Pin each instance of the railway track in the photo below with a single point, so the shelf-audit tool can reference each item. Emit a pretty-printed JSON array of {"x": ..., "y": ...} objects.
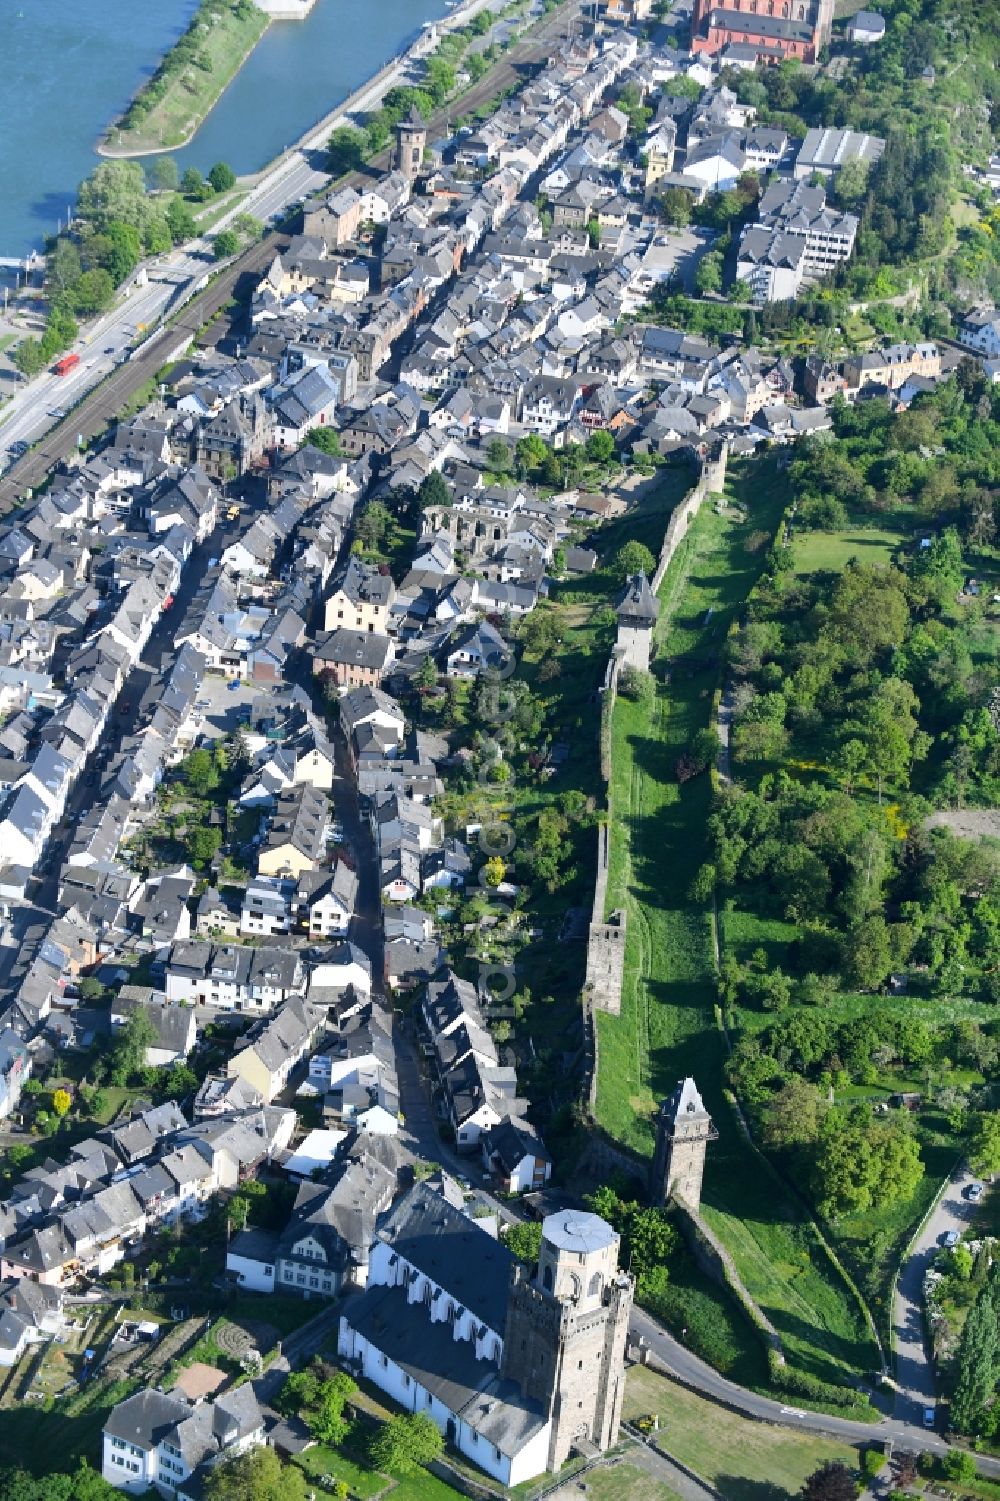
[{"x": 93, "y": 413}]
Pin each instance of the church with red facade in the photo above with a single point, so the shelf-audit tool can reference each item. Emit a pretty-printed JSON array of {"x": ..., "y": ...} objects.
[{"x": 773, "y": 29}]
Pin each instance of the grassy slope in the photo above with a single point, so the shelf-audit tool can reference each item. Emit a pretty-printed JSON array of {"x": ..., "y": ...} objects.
[
  {"x": 192, "y": 93},
  {"x": 667, "y": 1028},
  {"x": 746, "y": 1461}
]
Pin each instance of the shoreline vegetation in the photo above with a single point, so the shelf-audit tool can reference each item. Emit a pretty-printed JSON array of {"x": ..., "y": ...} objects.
[{"x": 168, "y": 111}]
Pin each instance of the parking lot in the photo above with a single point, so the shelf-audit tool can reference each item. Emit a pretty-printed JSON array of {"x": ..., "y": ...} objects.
[{"x": 222, "y": 708}]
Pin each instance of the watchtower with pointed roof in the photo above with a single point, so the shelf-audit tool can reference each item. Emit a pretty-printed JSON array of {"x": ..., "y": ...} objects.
[
  {"x": 637, "y": 610},
  {"x": 684, "y": 1129},
  {"x": 411, "y": 138}
]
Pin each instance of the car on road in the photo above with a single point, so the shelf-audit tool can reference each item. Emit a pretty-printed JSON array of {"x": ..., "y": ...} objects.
[
  {"x": 950, "y": 1238},
  {"x": 234, "y": 685},
  {"x": 109, "y": 349},
  {"x": 928, "y": 1417},
  {"x": 19, "y": 448},
  {"x": 56, "y": 412},
  {"x": 974, "y": 1192}
]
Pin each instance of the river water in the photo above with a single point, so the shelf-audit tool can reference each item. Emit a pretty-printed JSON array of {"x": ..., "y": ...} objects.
[{"x": 69, "y": 66}]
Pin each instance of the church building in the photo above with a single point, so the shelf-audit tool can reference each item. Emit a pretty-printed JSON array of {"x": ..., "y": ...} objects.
[
  {"x": 774, "y": 29},
  {"x": 517, "y": 1367}
]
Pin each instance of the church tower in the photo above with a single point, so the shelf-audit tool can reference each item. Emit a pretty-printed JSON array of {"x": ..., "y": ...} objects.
[
  {"x": 567, "y": 1322},
  {"x": 683, "y": 1131},
  {"x": 411, "y": 138}
]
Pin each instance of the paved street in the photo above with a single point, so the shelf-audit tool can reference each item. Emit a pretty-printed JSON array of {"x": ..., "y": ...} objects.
[
  {"x": 680, "y": 1362},
  {"x": 914, "y": 1371}
]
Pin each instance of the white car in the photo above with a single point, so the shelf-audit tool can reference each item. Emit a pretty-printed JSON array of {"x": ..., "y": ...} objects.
[{"x": 974, "y": 1192}]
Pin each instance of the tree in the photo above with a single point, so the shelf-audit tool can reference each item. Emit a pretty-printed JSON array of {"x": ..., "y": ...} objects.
[
  {"x": 633, "y": 557},
  {"x": 433, "y": 491},
  {"x": 499, "y": 457},
  {"x": 202, "y": 845},
  {"x": 257, "y": 1475},
  {"x": 792, "y": 1117},
  {"x": 225, "y": 244},
  {"x": 94, "y": 292},
  {"x": 372, "y": 525},
  {"x": 701, "y": 752},
  {"x": 162, "y": 174},
  {"x": 833, "y": 1481},
  {"x": 708, "y": 277},
  {"x": 115, "y": 190},
  {"x": 600, "y": 447},
  {"x": 326, "y": 1421},
  {"x": 531, "y": 451},
  {"x": 494, "y": 871},
  {"x": 64, "y": 266},
  {"x": 201, "y": 773},
  {"x": 402, "y": 1444},
  {"x": 346, "y": 150},
  {"x": 984, "y": 1148},
  {"x": 222, "y": 177},
  {"x": 649, "y": 1240},
  {"x": 326, "y": 439},
  {"x": 61, "y": 1101},
  {"x": 861, "y": 1161},
  {"x": 852, "y": 182},
  {"x": 125, "y": 250},
  {"x": 978, "y": 1361},
  {"x": 675, "y": 207},
  {"x": 29, "y": 357},
  {"x": 192, "y": 183},
  {"x": 129, "y": 1052},
  {"x": 180, "y": 221},
  {"x": 868, "y": 953},
  {"x": 959, "y": 1466},
  {"x": 524, "y": 1240}
]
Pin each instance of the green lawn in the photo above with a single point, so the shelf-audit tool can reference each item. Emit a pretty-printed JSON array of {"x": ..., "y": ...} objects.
[
  {"x": 622, "y": 1481},
  {"x": 365, "y": 1483},
  {"x": 667, "y": 1025},
  {"x": 746, "y": 1461},
  {"x": 815, "y": 552}
]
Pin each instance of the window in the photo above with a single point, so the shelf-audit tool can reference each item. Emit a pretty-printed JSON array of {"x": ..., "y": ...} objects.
[{"x": 383, "y": 1361}]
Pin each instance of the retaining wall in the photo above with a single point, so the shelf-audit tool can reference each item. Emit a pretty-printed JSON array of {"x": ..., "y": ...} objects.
[{"x": 713, "y": 1259}]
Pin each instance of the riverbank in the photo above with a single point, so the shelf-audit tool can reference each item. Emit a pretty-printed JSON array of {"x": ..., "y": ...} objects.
[{"x": 169, "y": 110}]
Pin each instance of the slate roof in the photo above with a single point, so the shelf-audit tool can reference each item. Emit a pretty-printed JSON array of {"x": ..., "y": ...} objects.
[{"x": 453, "y": 1252}]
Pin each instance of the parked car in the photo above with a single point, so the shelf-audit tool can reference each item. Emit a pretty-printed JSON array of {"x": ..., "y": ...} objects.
[
  {"x": 950, "y": 1238},
  {"x": 974, "y": 1192},
  {"x": 928, "y": 1417}
]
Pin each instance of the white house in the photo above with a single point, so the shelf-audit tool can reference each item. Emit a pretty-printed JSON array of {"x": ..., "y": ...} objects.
[
  {"x": 981, "y": 331},
  {"x": 156, "y": 1439}
]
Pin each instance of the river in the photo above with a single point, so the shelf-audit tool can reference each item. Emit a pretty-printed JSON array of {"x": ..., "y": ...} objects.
[{"x": 69, "y": 66}]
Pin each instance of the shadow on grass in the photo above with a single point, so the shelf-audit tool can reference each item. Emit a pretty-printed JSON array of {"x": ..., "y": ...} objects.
[{"x": 739, "y": 1488}]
